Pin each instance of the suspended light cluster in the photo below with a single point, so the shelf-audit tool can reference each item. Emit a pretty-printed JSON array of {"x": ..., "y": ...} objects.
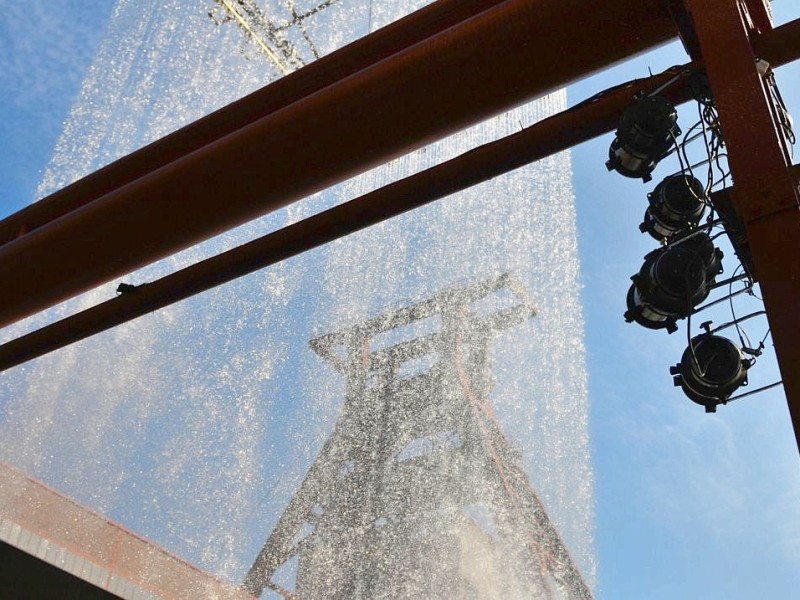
[{"x": 676, "y": 278}]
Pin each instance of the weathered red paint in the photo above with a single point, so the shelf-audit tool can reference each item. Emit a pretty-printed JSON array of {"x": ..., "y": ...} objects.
[
  {"x": 781, "y": 45},
  {"x": 545, "y": 138},
  {"x": 430, "y": 20},
  {"x": 508, "y": 54},
  {"x": 766, "y": 191}
]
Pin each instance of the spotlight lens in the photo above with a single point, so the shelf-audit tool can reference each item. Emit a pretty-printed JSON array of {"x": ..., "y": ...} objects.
[
  {"x": 683, "y": 195},
  {"x": 680, "y": 272},
  {"x": 672, "y": 281}
]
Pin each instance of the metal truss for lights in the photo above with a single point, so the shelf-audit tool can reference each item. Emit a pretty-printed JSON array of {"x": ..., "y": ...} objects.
[{"x": 405, "y": 85}]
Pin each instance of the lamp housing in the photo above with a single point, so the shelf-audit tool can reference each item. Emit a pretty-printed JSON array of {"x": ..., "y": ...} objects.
[
  {"x": 677, "y": 205},
  {"x": 711, "y": 369},
  {"x": 672, "y": 281},
  {"x": 647, "y": 130}
]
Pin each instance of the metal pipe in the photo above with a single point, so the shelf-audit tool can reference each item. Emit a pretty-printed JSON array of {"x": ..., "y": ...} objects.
[
  {"x": 778, "y": 46},
  {"x": 547, "y": 137},
  {"x": 763, "y": 388},
  {"x": 509, "y": 54},
  {"x": 403, "y": 33}
]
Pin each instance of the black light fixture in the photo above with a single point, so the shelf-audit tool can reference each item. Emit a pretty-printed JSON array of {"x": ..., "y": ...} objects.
[
  {"x": 647, "y": 130},
  {"x": 676, "y": 206},
  {"x": 672, "y": 281},
  {"x": 711, "y": 369}
]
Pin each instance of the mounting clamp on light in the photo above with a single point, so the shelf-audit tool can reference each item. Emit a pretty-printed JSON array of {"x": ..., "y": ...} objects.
[
  {"x": 676, "y": 206},
  {"x": 711, "y": 369},
  {"x": 647, "y": 130},
  {"x": 672, "y": 281}
]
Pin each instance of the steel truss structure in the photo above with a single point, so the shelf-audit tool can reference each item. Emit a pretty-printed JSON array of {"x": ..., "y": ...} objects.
[
  {"x": 419, "y": 59},
  {"x": 390, "y": 94},
  {"x": 388, "y": 507},
  {"x": 766, "y": 197},
  {"x": 268, "y": 36}
]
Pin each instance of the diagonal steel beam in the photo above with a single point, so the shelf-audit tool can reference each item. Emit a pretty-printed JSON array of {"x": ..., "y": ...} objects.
[
  {"x": 549, "y": 136},
  {"x": 420, "y": 25},
  {"x": 511, "y": 53}
]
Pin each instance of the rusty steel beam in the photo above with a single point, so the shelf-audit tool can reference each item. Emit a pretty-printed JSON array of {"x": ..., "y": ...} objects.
[
  {"x": 758, "y": 14},
  {"x": 766, "y": 191},
  {"x": 509, "y": 54},
  {"x": 554, "y": 134},
  {"x": 403, "y": 33},
  {"x": 781, "y": 45}
]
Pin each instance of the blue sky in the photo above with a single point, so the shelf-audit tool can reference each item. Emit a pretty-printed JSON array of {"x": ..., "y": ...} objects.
[{"x": 689, "y": 505}]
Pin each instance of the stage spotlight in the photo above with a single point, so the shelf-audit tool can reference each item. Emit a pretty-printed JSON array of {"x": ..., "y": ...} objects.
[
  {"x": 672, "y": 281},
  {"x": 646, "y": 132},
  {"x": 676, "y": 205},
  {"x": 711, "y": 369}
]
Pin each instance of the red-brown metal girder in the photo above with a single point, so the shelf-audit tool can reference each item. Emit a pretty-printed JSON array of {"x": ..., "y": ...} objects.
[
  {"x": 554, "y": 134},
  {"x": 766, "y": 191},
  {"x": 506, "y": 55},
  {"x": 781, "y": 45},
  {"x": 758, "y": 14},
  {"x": 413, "y": 28}
]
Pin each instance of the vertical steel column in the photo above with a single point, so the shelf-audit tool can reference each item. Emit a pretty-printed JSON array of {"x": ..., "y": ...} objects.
[{"x": 766, "y": 192}]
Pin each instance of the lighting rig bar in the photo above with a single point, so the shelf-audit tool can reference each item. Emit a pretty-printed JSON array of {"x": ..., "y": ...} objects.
[
  {"x": 390, "y": 107},
  {"x": 280, "y": 94}
]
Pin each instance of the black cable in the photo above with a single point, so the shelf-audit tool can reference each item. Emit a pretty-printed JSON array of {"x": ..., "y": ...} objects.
[
  {"x": 677, "y": 69},
  {"x": 733, "y": 311}
]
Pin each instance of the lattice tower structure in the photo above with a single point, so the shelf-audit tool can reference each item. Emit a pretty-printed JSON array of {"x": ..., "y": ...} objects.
[
  {"x": 284, "y": 40},
  {"x": 417, "y": 492}
]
